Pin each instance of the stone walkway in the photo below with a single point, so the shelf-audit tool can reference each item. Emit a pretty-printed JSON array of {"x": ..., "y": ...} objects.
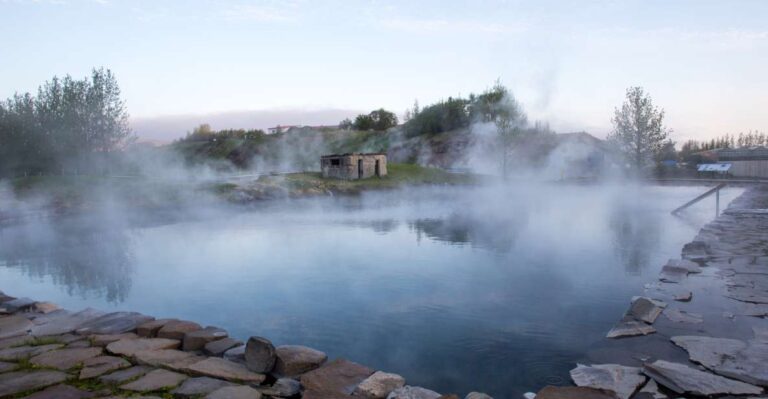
[
  {"x": 52, "y": 353},
  {"x": 701, "y": 329}
]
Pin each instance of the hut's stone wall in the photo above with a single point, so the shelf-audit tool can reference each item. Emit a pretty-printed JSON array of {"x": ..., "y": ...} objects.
[{"x": 353, "y": 166}]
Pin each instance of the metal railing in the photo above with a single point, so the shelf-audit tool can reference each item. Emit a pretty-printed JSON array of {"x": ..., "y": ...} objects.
[{"x": 715, "y": 190}]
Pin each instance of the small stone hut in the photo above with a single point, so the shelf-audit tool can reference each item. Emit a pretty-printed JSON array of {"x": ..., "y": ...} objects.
[{"x": 353, "y": 166}]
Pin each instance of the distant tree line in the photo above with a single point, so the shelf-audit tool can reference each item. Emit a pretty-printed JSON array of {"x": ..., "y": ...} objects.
[
  {"x": 69, "y": 127},
  {"x": 742, "y": 140},
  {"x": 204, "y": 132}
]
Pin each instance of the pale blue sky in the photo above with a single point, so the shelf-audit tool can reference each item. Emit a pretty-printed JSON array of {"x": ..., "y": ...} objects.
[{"x": 568, "y": 62}]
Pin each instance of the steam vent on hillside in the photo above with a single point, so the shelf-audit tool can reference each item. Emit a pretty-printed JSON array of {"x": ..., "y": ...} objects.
[{"x": 353, "y": 166}]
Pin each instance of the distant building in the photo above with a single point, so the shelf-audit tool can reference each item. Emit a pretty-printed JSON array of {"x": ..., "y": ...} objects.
[
  {"x": 745, "y": 162},
  {"x": 281, "y": 129},
  {"x": 353, "y": 166},
  {"x": 284, "y": 129}
]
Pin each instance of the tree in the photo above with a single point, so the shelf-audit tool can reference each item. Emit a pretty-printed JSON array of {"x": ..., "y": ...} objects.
[
  {"x": 71, "y": 123},
  {"x": 379, "y": 120},
  {"x": 346, "y": 124},
  {"x": 383, "y": 119},
  {"x": 363, "y": 122},
  {"x": 499, "y": 106},
  {"x": 638, "y": 128}
]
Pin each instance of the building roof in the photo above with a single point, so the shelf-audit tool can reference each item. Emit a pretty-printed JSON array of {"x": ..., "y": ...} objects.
[
  {"x": 742, "y": 154},
  {"x": 352, "y": 153}
]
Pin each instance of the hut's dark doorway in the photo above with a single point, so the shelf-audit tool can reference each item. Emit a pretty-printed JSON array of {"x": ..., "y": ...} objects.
[
  {"x": 359, "y": 168},
  {"x": 378, "y": 171}
]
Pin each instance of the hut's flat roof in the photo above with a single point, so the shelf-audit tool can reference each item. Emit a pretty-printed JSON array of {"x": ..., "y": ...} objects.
[{"x": 352, "y": 153}]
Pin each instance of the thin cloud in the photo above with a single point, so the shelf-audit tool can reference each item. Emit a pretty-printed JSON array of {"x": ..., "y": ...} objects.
[
  {"x": 279, "y": 12},
  {"x": 432, "y": 26}
]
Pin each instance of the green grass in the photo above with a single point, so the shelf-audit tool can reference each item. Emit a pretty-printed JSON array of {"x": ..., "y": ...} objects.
[{"x": 398, "y": 175}]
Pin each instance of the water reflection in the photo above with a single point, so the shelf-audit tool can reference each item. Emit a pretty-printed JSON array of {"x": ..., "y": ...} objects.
[
  {"x": 634, "y": 233},
  {"x": 497, "y": 234},
  {"x": 84, "y": 259}
]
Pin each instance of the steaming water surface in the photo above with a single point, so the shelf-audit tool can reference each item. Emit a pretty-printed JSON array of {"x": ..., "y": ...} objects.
[{"x": 493, "y": 290}]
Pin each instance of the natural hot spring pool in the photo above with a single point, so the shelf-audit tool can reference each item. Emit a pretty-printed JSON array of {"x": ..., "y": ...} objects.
[{"x": 498, "y": 290}]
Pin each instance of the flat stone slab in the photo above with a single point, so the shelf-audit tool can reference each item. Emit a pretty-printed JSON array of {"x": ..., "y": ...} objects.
[
  {"x": 155, "y": 380},
  {"x": 552, "y": 392},
  {"x": 18, "y": 304},
  {"x": 196, "y": 340},
  {"x": 293, "y": 360},
  {"x": 218, "y": 347},
  {"x": 65, "y": 359},
  {"x": 747, "y": 294},
  {"x": 79, "y": 344},
  {"x": 224, "y": 369},
  {"x": 194, "y": 387},
  {"x": 672, "y": 274},
  {"x": 683, "y": 379},
  {"x": 118, "y": 377},
  {"x": 622, "y": 380},
  {"x": 236, "y": 354},
  {"x": 645, "y": 309},
  {"x": 379, "y": 385},
  {"x": 681, "y": 316},
  {"x": 709, "y": 351},
  {"x": 44, "y": 307},
  {"x": 628, "y": 327},
  {"x": 62, "y": 321},
  {"x": 22, "y": 381},
  {"x": 282, "y": 388},
  {"x": 169, "y": 358},
  {"x": 15, "y": 341},
  {"x": 106, "y": 339},
  {"x": 411, "y": 392},
  {"x": 729, "y": 357},
  {"x": 150, "y": 328},
  {"x": 24, "y": 352},
  {"x": 685, "y": 264},
  {"x": 11, "y": 326},
  {"x": 61, "y": 392},
  {"x": 129, "y": 347},
  {"x": 176, "y": 329},
  {"x": 756, "y": 310},
  {"x": 113, "y": 323},
  {"x": 99, "y": 365},
  {"x": 684, "y": 296},
  {"x": 234, "y": 392},
  {"x": 5, "y": 367},
  {"x": 339, "y": 377}
]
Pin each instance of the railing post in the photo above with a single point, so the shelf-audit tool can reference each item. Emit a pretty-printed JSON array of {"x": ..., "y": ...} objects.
[{"x": 717, "y": 203}]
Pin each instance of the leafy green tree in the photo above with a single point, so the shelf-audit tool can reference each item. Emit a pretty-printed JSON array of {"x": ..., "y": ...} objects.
[
  {"x": 383, "y": 119},
  {"x": 71, "y": 123},
  {"x": 638, "y": 129},
  {"x": 363, "y": 122},
  {"x": 378, "y": 120}
]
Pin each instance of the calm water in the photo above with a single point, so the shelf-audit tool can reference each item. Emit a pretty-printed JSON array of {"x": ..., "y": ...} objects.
[{"x": 494, "y": 290}]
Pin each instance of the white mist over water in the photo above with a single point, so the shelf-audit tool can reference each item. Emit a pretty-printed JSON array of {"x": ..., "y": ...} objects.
[{"x": 490, "y": 288}]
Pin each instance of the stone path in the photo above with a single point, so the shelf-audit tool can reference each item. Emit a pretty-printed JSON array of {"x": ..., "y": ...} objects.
[
  {"x": 52, "y": 353},
  {"x": 713, "y": 338}
]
